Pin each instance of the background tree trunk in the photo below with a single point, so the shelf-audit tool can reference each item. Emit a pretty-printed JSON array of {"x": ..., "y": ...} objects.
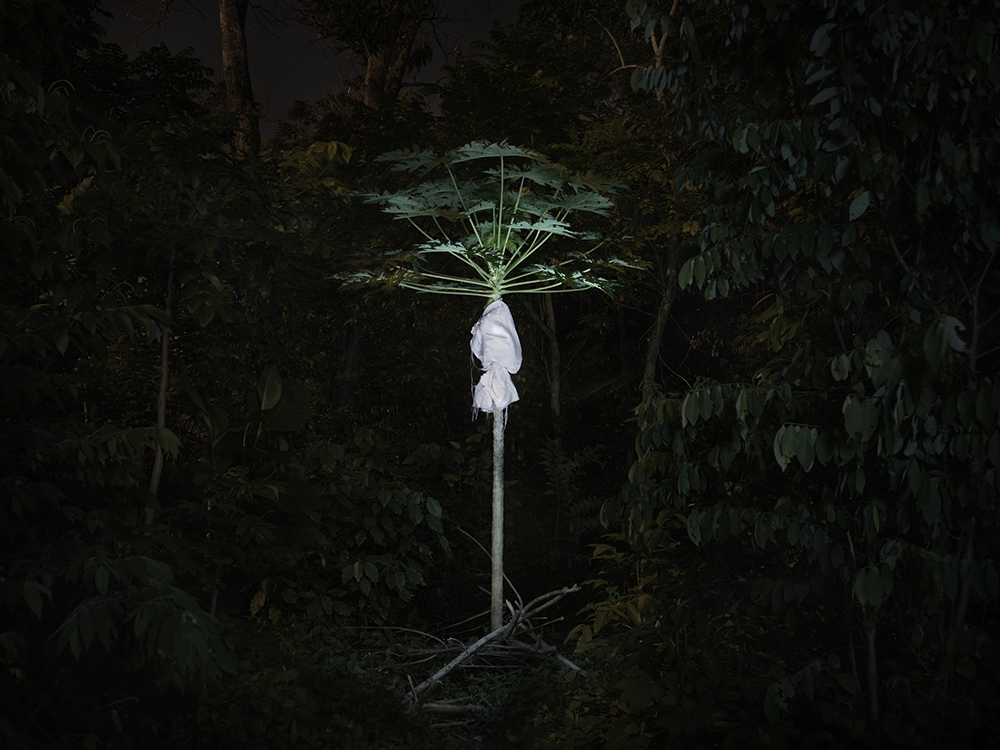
[
  {"x": 236, "y": 73},
  {"x": 871, "y": 625},
  {"x": 555, "y": 391},
  {"x": 380, "y": 34},
  {"x": 386, "y": 66},
  {"x": 161, "y": 398},
  {"x": 669, "y": 280}
]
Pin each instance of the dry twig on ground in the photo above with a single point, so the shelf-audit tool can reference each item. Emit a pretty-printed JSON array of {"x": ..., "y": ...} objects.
[{"x": 417, "y": 699}]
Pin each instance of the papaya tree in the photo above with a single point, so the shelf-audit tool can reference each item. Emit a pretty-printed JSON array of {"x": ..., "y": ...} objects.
[{"x": 492, "y": 217}]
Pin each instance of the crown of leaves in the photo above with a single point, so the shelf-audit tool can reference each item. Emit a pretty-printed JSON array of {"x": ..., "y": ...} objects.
[{"x": 491, "y": 208}]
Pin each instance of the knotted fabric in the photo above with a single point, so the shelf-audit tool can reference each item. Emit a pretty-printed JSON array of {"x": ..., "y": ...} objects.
[{"x": 496, "y": 345}]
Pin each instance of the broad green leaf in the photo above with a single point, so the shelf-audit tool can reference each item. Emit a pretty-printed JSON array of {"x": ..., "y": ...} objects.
[
  {"x": 292, "y": 410},
  {"x": 806, "y": 447},
  {"x": 700, "y": 270},
  {"x": 825, "y": 447},
  {"x": 862, "y": 590},
  {"x": 690, "y": 409},
  {"x": 858, "y": 206},
  {"x": 848, "y": 682},
  {"x": 706, "y": 406},
  {"x": 951, "y": 327},
  {"x": 771, "y": 710},
  {"x": 789, "y": 441},
  {"x": 694, "y": 526},
  {"x": 269, "y": 387},
  {"x": 739, "y": 141},
  {"x": 686, "y": 272},
  {"x": 433, "y": 507},
  {"x": 779, "y": 454},
  {"x": 741, "y": 405},
  {"x": 62, "y": 341},
  {"x": 840, "y": 367},
  {"x": 819, "y": 75},
  {"x": 820, "y": 42},
  {"x": 854, "y": 415},
  {"x": 825, "y": 95},
  {"x": 760, "y": 533}
]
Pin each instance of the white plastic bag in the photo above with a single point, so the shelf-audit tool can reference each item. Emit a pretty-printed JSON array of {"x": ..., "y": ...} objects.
[{"x": 496, "y": 345}]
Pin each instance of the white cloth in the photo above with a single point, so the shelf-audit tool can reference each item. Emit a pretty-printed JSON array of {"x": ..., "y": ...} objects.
[{"x": 495, "y": 343}]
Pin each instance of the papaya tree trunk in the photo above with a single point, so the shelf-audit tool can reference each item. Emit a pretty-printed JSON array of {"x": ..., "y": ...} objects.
[{"x": 496, "y": 572}]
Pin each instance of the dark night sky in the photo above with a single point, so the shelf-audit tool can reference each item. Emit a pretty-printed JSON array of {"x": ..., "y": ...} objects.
[{"x": 287, "y": 62}]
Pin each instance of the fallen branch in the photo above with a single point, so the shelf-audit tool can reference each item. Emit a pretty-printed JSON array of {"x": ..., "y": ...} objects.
[
  {"x": 452, "y": 724},
  {"x": 416, "y": 694},
  {"x": 450, "y": 707},
  {"x": 419, "y": 694},
  {"x": 542, "y": 647}
]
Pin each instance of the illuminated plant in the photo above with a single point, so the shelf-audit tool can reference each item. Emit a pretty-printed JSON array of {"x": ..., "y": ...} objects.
[{"x": 487, "y": 213}]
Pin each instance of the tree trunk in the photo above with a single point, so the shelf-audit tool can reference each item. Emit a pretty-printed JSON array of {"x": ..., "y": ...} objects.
[
  {"x": 236, "y": 73},
  {"x": 161, "y": 399},
  {"x": 555, "y": 365},
  {"x": 871, "y": 625},
  {"x": 624, "y": 345},
  {"x": 386, "y": 66},
  {"x": 659, "y": 326},
  {"x": 548, "y": 326},
  {"x": 496, "y": 572},
  {"x": 344, "y": 381}
]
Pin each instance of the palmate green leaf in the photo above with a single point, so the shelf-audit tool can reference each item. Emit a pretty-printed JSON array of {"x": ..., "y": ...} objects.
[
  {"x": 493, "y": 221},
  {"x": 547, "y": 225},
  {"x": 481, "y": 206},
  {"x": 409, "y": 161},
  {"x": 584, "y": 201},
  {"x": 479, "y": 150},
  {"x": 570, "y": 280}
]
